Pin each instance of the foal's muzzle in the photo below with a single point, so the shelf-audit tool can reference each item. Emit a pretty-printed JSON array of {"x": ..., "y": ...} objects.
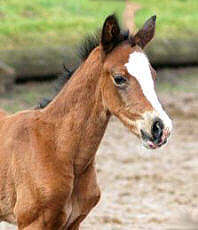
[
  {"x": 158, "y": 136},
  {"x": 157, "y": 131}
]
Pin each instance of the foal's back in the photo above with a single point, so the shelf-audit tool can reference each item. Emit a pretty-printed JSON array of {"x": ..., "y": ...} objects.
[{"x": 2, "y": 114}]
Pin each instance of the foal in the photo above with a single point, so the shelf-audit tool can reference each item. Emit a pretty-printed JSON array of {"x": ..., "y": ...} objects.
[{"x": 47, "y": 171}]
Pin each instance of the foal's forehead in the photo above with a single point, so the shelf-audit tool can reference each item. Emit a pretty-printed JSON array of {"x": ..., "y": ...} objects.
[
  {"x": 138, "y": 64},
  {"x": 121, "y": 55}
]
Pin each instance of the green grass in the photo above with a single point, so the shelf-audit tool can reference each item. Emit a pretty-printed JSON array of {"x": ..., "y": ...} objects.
[
  {"x": 177, "y": 18},
  {"x": 58, "y": 22}
]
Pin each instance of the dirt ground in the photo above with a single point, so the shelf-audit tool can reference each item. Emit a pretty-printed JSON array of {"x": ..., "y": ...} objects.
[{"x": 144, "y": 189}]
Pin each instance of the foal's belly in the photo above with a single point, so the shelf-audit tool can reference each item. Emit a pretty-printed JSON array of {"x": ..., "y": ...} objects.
[
  {"x": 6, "y": 211},
  {"x": 7, "y": 202},
  {"x": 7, "y": 215}
]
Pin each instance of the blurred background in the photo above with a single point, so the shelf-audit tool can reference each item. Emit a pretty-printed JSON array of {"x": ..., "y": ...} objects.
[{"x": 142, "y": 189}]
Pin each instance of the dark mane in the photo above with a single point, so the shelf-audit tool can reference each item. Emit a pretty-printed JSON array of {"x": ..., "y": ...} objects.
[
  {"x": 62, "y": 80},
  {"x": 88, "y": 44}
]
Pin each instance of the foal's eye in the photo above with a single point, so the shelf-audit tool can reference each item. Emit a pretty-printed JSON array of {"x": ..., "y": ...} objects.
[{"x": 119, "y": 80}]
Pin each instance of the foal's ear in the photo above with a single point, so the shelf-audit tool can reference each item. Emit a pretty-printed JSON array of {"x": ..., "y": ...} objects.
[
  {"x": 110, "y": 33},
  {"x": 144, "y": 35}
]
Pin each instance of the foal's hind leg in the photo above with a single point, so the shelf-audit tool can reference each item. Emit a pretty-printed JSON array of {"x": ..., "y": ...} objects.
[{"x": 2, "y": 113}]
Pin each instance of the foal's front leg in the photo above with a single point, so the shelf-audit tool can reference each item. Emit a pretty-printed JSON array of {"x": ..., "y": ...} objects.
[
  {"x": 85, "y": 196},
  {"x": 48, "y": 220}
]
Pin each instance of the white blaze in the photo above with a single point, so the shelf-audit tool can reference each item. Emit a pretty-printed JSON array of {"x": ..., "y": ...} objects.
[{"x": 138, "y": 66}]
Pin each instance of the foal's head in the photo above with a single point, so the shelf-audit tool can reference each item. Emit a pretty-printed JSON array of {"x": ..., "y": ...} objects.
[{"x": 128, "y": 78}]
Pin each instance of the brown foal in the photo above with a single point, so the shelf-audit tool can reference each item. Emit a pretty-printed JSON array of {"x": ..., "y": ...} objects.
[{"x": 47, "y": 171}]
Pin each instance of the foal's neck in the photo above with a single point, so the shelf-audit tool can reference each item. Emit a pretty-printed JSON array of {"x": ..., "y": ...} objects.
[{"x": 79, "y": 113}]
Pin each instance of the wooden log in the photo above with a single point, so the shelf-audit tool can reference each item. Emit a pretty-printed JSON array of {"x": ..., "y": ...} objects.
[
  {"x": 37, "y": 62},
  {"x": 7, "y": 76},
  {"x": 173, "y": 52}
]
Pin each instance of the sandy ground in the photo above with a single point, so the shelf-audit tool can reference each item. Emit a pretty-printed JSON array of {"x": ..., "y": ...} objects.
[{"x": 144, "y": 189}]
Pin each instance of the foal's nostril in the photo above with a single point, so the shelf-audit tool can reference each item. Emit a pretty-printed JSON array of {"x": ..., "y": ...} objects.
[{"x": 157, "y": 130}]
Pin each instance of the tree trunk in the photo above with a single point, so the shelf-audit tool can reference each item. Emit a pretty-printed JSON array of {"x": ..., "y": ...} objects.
[{"x": 7, "y": 75}]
